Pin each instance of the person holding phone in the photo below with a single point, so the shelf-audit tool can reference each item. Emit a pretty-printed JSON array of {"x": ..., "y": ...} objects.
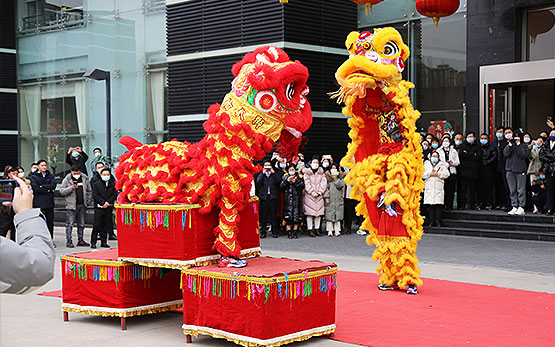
[
  {"x": 29, "y": 262},
  {"x": 6, "y": 212},
  {"x": 43, "y": 184},
  {"x": 292, "y": 185},
  {"x": 77, "y": 191},
  {"x": 516, "y": 152},
  {"x": 76, "y": 156}
]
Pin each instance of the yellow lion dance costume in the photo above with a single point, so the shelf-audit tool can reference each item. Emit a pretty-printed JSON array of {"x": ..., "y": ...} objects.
[{"x": 385, "y": 156}]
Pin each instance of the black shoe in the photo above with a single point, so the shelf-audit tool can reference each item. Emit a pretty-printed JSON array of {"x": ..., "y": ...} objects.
[
  {"x": 478, "y": 208},
  {"x": 113, "y": 238},
  {"x": 275, "y": 236},
  {"x": 550, "y": 212},
  {"x": 93, "y": 245},
  {"x": 436, "y": 224},
  {"x": 311, "y": 233},
  {"x": 69, "y": 244},
  {"x": 263, "y": 236},
  {"x": 348, "y": 232},
  {"x": 295, "y": 235},
  {"x": 82, "y": 243},
  {"x": 104, "y": 245}
]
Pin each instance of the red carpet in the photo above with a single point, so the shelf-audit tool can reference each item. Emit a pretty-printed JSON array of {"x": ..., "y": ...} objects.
[
  {"x": 444, "y": 313},
  {"x": 54, "y": 294}
]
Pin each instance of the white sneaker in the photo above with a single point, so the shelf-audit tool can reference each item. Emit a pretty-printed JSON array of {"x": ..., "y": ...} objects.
[
  {"x": 535, "y": 210},
  {"x": 513, "y": 211},
  {"x": 337, "y": 233},
  {"x": 330, "y": 233},
  {"x": 361, "y": 232},
  {"x": 519, "y": 212}
]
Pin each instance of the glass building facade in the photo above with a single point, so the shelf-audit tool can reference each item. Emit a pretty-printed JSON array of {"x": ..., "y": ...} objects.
[
  {"x": 437, "y": 64},
  {"x": 57, "y": 42}
]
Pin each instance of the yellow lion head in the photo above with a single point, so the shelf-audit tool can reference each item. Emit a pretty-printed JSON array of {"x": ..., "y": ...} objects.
[{"x": 373, "y": 58}]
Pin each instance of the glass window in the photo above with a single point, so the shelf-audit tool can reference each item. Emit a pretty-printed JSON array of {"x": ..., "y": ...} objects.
[{"x": 540, "y": 34}]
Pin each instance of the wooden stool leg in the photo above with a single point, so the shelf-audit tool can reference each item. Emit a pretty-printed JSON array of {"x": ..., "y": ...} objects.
[
  {"x": 189, "y": 339},
  {"x": 66, "y": 316},
  {"x": 123, "y": 326}
]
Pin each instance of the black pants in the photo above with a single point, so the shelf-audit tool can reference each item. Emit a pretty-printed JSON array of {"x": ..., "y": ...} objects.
[
  {"x": 486, "y": 187},
  {"x": 550, "y": 191},
  {"x": 349, "y": 213},
  {"x": 6, "y": 223},
  {"x": 449, "y": 191},
  {"x": 467, "y": 192},
  {"x": 49, "y": 215},
  {"x": 501, "y": 189},
  {"x": 102, "y": 224},
  {"x": 434, "y": 212},
  {"x": 268, "y": 215}
]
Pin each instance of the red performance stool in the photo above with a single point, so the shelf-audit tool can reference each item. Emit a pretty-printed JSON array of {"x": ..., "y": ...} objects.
[
  {"x": 96, "y": 283},
  {"x": 270, "y": 302},
  {"x": 178, "y": 235}
]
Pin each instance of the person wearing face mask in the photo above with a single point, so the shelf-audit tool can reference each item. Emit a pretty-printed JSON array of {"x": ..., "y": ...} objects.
[
  {"x": 292, "y": 186},
  {"x": 435, "y": 173},
  {"x": 333, "y": 200},
  {"x": 104, "y": 195},
  {"x": 539, "y": 193},
  {"x": 434, "y": 144},
  {"x": 547, "y": 157},
  {"x": 544, "y": 135},
  {"x": 426, "y": 150},
  {"x": 515, "y": 154},
  {"x": 313, "y": 196},
  {"x": 97, "y": 170},
  {"x": 267, "y": 186},
  {"x": 535, "y": 165},
  {"x": 450, "y": 157},
  {"x": 326, "y": 162},
  {"x": 487, "y": 171},
  {"x": 43, "y": 184},
  {"x": 98, "y": 158},
  {"x": 34, "y": 168},
  {"x": 7, "y": 213},
  {"x": 76, "y": 156},
  {"x": 77, "y": 191},
  {"x": 470, "y": 157}
]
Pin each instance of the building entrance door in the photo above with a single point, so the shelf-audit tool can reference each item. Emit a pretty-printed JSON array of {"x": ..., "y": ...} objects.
[{"x": 500, "y": 108}]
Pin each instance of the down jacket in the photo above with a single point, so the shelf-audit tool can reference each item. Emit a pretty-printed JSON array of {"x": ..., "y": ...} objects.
[
  {"x": 547, "y": 157},
  {"x": 70, "y": 194},
  {"x": 292, "y": 193},
  {"x": 314, "y": 182},
  {"x": 433, "y": 189},
  {"x": 335, "y": 193}
]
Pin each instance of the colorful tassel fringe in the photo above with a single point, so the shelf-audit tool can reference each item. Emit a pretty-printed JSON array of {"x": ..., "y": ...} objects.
[{"x": 125, "y": 273}]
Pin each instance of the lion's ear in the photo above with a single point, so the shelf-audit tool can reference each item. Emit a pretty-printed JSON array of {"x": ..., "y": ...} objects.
[{"x": 351, "y": 38}]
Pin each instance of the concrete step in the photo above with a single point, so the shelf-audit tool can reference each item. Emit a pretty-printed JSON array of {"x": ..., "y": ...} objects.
[{"x": 491, "y": 233}]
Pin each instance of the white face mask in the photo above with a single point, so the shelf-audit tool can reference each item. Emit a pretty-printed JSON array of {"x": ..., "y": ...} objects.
[
  {"x": 314, "y": 166},
  {"x": 291, "y": 173},
  {"x": 446, "y": 144},
  {"x": 21, "y": 174},
  {"x": 325, "y": 164},
  {"x": 508, "y": 136},
  {"x": 526, "y": 140},
  {"x": 105, "y": 178},
  {"x": 76, "y": 176},
  {"x": 334, "y": 172}
]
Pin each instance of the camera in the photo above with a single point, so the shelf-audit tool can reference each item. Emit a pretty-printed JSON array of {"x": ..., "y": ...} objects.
[{"x": 7, "y": 189}]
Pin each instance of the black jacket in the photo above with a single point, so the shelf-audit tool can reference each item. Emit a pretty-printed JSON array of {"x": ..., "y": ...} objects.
[
  {"x": 515, "y": 157},
  {"x": 547, "y": 157},
  {"x": 500, "y": 157},
  {"x": 265, "y": 183},
  {"x": 489, "y": 156},
  {"x": 43, "y": 189},
  {"x": 80, "y": 161},
  {"x": 291, "y": 202},
  {"x": 95, "y": 177},
  {"x": 103, "y": 192},
  {"x": 470, "y": 156}
]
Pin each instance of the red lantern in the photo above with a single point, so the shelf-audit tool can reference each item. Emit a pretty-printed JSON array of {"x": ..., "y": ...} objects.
[
  {"x": 368, "y": 3},
  {"x": 437, "y": 8}
]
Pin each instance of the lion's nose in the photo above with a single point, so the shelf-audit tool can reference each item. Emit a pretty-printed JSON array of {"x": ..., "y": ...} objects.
[{"x": 373, "y": 56}]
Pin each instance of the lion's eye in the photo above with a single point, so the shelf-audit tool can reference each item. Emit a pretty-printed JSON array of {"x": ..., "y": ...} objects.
[
  {"x": 390, "y": 48},
  {"x": 290, "y": 90}
]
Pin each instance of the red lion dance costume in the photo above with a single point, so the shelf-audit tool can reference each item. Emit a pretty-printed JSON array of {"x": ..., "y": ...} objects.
[
  {"x": 385, "y": 155},
  {"x": 267, "y": 103}
]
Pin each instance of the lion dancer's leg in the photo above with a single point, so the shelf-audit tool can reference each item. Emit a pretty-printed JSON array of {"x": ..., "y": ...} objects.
[
  {"x": 400, "y": 224},
  {"x": 226, "y": 235}
]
